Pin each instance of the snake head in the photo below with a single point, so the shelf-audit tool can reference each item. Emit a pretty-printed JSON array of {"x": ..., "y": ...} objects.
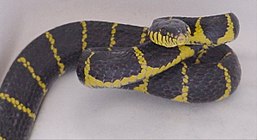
[{"x": 169, "y": 32}]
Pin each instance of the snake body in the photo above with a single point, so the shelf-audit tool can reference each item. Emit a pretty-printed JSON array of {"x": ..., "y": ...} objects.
[{"x": 121, "y": 56}]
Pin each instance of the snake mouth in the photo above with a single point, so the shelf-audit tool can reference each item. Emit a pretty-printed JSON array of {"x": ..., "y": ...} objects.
[{"x": 168, "y": 39}]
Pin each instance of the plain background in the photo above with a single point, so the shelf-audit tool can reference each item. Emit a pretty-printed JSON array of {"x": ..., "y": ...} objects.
[{"x": 73, "y": 111}]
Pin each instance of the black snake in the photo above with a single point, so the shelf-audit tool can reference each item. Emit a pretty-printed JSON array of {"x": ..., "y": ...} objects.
[{"x": 179, "y": 58}]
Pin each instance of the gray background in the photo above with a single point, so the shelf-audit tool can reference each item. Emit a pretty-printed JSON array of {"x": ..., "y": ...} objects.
[{"x": 74, "y": 111}]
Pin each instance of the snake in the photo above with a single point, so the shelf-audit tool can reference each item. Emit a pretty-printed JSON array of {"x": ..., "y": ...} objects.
[{"x": 182, "y": 59}]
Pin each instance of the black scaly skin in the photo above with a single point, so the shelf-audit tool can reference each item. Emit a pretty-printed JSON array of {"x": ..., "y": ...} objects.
[
  {"x": 213, "y": 26},
  {"x": 206, "y": 80},
  {"x": 124, "y": 63},
  {"x": 19, "y": 84}
]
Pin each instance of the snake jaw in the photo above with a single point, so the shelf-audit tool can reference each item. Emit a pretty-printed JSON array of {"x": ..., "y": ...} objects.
[{"x": 169, "y": 40}]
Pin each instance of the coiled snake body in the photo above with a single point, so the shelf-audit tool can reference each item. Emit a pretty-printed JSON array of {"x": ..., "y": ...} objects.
[{"x": 179, "y": 58}]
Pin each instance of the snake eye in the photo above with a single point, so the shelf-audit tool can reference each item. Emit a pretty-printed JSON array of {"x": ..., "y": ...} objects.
[{"x": 163, "y": 31}]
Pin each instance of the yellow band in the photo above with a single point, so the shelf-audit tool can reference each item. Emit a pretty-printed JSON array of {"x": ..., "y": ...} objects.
[{"x": 18, "y": 105}]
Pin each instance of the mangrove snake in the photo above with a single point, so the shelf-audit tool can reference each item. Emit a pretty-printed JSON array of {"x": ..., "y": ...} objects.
[{"x": 184, "y": 59}]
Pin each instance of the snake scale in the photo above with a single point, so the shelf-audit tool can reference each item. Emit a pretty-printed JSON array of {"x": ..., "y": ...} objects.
[{"x": 184, "y": 59}]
